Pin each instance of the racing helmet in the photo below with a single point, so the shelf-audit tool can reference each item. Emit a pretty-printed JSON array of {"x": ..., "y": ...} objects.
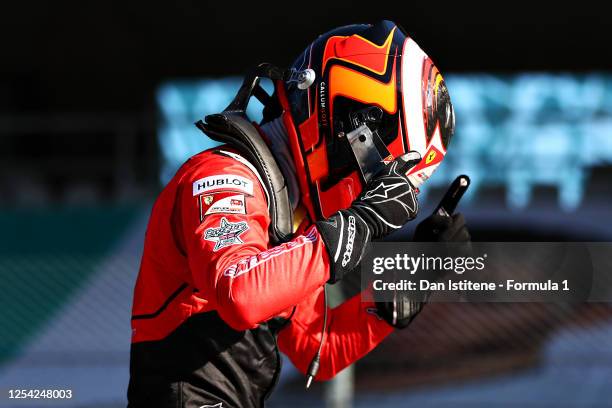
[{"x": 356, "y": 98}]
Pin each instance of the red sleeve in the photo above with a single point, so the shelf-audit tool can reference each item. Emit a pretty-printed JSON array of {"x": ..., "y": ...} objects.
[
  {"x": 353, "y": 330},
  {"x": 224, "y": 221}
]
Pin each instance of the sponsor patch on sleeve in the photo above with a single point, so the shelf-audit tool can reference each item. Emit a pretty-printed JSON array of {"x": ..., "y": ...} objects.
[
  {"x": 226, "y": 234},
  {"x": 221, "y": 203},
  {"x": 223, "y": 182}
]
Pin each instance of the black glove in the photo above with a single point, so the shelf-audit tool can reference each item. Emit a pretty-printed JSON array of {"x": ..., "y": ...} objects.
[
  {"x": 386, "y": 203},
  {"x": 400, "y": 312},
  {"x": 435, "y": 228},
  {"x": 440, "y": 228}
]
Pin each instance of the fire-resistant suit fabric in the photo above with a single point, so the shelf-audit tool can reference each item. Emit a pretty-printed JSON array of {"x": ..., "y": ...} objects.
[{"x": 214, "y": 300}]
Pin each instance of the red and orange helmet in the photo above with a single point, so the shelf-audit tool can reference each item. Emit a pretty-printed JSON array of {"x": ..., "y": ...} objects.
[{"x": 359, "y": 96}]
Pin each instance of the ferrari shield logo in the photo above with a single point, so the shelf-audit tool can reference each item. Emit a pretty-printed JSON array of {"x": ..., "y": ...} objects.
[{"x": 430, "y": 157}]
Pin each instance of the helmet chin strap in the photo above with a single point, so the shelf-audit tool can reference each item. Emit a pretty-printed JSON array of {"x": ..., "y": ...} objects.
[{"x": 279, "y": 145}]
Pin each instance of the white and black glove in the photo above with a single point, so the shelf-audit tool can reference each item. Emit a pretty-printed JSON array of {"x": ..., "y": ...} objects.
[{"x": 386, "y": 203}]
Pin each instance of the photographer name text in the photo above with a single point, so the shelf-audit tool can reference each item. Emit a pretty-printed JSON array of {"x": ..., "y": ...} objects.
[{"x": 468, "y": 285}]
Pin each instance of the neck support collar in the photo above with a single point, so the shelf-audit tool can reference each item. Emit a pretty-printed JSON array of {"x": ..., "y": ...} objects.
[{"x": 233, "y": 127}]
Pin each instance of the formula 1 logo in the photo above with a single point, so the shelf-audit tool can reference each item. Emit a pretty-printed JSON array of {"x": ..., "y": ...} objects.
[{"x": 228, "y": 233}]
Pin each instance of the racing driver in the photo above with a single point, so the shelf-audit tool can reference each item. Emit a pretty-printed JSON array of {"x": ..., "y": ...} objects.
[{"x": 243, "y": 240}]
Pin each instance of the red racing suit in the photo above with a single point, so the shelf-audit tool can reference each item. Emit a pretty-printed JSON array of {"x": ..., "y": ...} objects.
[{"x": 214, "y": 300}]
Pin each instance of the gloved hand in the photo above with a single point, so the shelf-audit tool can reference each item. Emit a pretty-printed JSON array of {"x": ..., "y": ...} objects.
[
  {"x": 407, "y": 304},
  {"x": 440, "y": 228},
  {"x": 386, "y": 203},
  {"x": 404, "y": 307}
]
